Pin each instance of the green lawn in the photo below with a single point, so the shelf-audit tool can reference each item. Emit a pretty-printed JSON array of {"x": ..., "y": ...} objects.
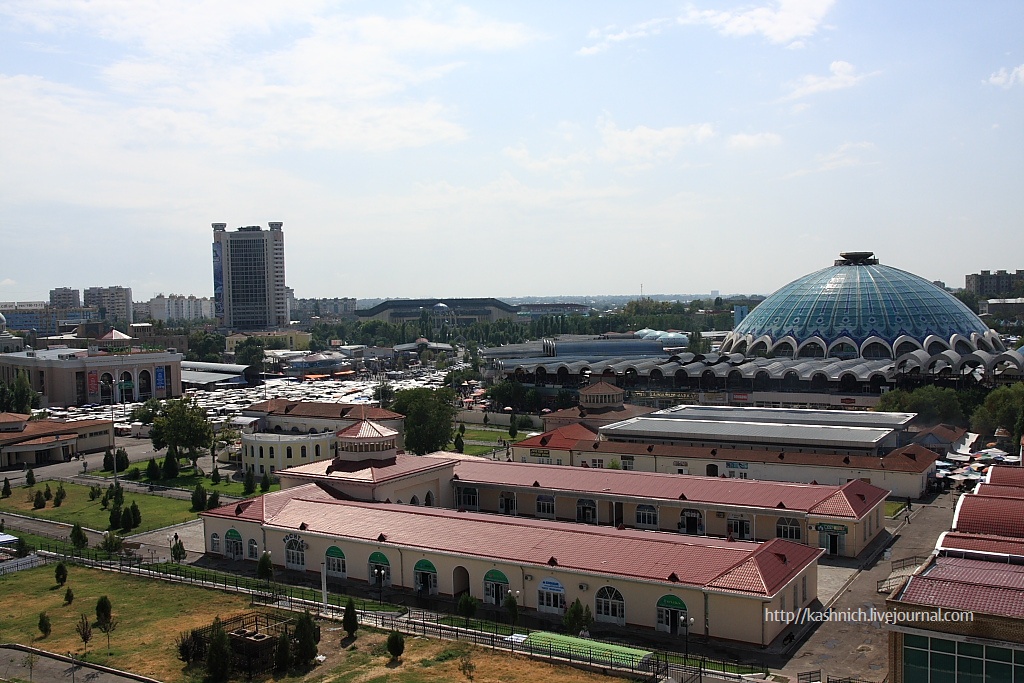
[
  {"x": 188, "y": 480},
  {"x": 157, "y": 511},
  {"x": 894, "y": 507},
  {"x": 494, "y": 436},
  {"x": 581, "y": 648}
]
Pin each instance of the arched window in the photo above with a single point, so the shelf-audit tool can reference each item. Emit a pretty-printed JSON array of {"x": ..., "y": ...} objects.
[
  {"x": 302, "y": 452},
  {"x": 316, "y": 451},
  {"x": 428, "y": 500},
  {"x": 335, "y": 562},
  {"x": 288, "y": 452},
  {"x": 787, "y": 527},
  {"x": 647, "y": 516},
  {"x": 609, "y": 606},
  {"x": 254, "y": 549},
  {"x": 415, "y": 500},
  {"x": 294, "y": 554},
  {"x": 214, "y": 543},
  {"x": 261, "y": 451},
  {"x": 271, "y": 451}
]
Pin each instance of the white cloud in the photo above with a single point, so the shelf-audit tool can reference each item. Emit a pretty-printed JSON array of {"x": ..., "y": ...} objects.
[
  {"x": 1007, "y": 79},
  {"x": 781, "y": 22},
  {"x": 753, "y": 140},
  {"x": 7, "y": 282},
  {"x": 842, "y": 75},
  {"x": 846, "y": 155},
  {"x": 642, "y": 147},
  {"x": 607, "y": 37}
]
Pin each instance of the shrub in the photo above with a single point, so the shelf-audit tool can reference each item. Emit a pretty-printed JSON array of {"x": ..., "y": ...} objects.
[
  {"x": 44, "y": 624},
  {"x": 213, "y": 501},
  {"x": 350, "y": 621},
  {"x": 95, "y": 492},
  {"x": 185, "y": 643},
  {"x": 30, "y": 478},
  {"x": 218, "y": 659},
  {"x": 60, "y": 574},
  {"x": 136, "y": 515},
  {"x": 170, "y": 470},
  {"x": 249, "y": 484},
  {"x": 6, "y": 492},
  {"x": 199, "y": 498},
  {"x": 215, "y": 476},
  {"x": 115, "y": 517},
  {"x": 78, "y": 537},
  {"x": 108, "y": 461},
  {"x": 134, "y": 474},
  {"x": 47, "y": 493},
  {"x": 265, "y": 568},
  {"x": 21, "y": 548},
  {"x": 153, "y": 470},
  {"x": 69, "y": 596},
  {"x": 121, "y": 459},
  {"x": 305, "y": 641},
  {"x": 283, "y": 655},
  {"x": 396, "y": 644},
  {"x": 265, "y": 483},
  {"x": 104, "y": 610},
  {"x": 467, "y": 607},
  {"x": 38, "y": 501},
  {"x": 59, "y": 496}
]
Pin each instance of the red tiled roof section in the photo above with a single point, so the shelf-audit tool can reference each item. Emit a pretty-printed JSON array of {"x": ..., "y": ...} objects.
[
  {"x": 989, "y": 515},
  {"x": 982, "y": 543},
  {"x": 854, "y": 499},
  {"x": 942, "y": 432},
  {"x": 562, "y": 439},
  {"x": 976, "y": 571},
  {"x": 768, "y": 569},
  {"x": 1004, "y": 474},
  {"x": 955, "y": 595},
  {"x": 366, "y": 429},
  {"x": 627, "y": 553},
  {"x": 366, "y": 470},
  {"x": 327, "y": 411},
  {"x": 36, "y": 429},
  {"x": 999, "y": 491},
  {"x": 6, "y": 418},
  {"x": 623, "y": 412},
  {"x": 601, "y": 389}
]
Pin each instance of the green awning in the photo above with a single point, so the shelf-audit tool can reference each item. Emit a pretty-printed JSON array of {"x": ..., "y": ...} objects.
[
  {"x": 379, "y": 558},
  {"x": 495, "y": 576},
  {"x": 335, "y": 551},
  {"x": 671, "y": 602},
  {"x": 233, "y": 535},
  {"x": 425, "y": 566}
]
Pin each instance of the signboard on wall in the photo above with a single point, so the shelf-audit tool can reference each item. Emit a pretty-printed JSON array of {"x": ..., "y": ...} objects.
[
  {"x": 736, "y": 465},
  {"x": 218, "y": 279},
  {"x": 830, "y": 528},
  {"x": 94, "y": 382},
  {"x": 161, "y": 380},
  {"x": 551, "y": 586}
]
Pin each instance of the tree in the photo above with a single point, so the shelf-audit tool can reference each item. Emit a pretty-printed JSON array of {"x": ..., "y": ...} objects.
[
  {"x": 147, "y": 412},
  {"x": 170, "y": 468},
  {"x": 108, "y": 461},
  {"x": 60, "y": 573},
  {"x": 574, "y": 618},
  {"x": 199, "y": 498},
  {"x": 121, "y": 462},
  {"x": 511, "y": 606},
  {"x": 185, "y": 643},
  {"x": 250, "y": 351},
  {"x": 215, "y": 476},
  {"x": 21, "y": 548},
  {"x": 512, "y": 430},
  {"x": 429, "y": 418},
  {"x": 466, "y": 666},
  {"x": 30, "y": 477},
  {"x": 6, "y": 492},
  {"x": 104, "y": 609},
  {"x": 69, "y": 596},
  {"x": 23, "y": 398},
  {"x": 350, "y": 620},
  {"x": 153, "y": 470},
  {"x": 44, "y": 625},
  {"x": 396, "y": 644},
  {"x": 29, "y": 662},
  {"x": 265, "y": 483},
  {"x": 1001, "y": 408},
  {"x": 39, "y": 501},
  {"x": 265, "y": 568},
  {"x": 218, "y": 658},
  {"x": 115, "y": 517},
  {"x": 77, "y": 537},
  {"x": 213, "y": 501},
  {"x": 565, "y": 399},
  {"x": 932, "y": 404},
  {"x": 112, "y": 543},
  {"x": 182, "y": 425},
  {"x": 459, "y": 444},
  {"x": 107, "y": 627},
  {"x": 305, "y": 641},
  {"x": 178, "y": 552},
  {"x": 249, "y": 483},
  {"x": 467, "y": 607},
  {"x": 384, "y": 393},
  {"x": 136, "y": 515},
  {"x": 283, "y": 655},
  {"x": 60, "y": 495},
  {"x": 84, "y": 630}
]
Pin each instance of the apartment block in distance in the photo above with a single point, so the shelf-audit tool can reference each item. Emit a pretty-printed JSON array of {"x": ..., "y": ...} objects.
[
  {"x": 114, "y": 302},
  {"x": 65, "y": 297},
  {"x": 248, "y": 277}
]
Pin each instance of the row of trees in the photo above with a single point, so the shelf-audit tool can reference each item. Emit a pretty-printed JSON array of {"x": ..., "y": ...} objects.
[
  {"x": 983, "y": 410},
  {"x": 18, "y": 396},
  {"x": 105, "y": 622}
]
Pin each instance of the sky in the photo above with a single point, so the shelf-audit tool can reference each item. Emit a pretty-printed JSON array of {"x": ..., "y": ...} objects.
[{"x": 437, "y": 149}]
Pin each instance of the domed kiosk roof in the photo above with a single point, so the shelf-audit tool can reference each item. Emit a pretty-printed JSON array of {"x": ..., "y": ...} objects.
[{"x": 861, "y": 301}]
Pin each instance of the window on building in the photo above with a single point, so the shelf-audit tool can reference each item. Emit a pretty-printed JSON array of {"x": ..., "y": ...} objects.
[
  {"x": 646, "y": 515},
  {"x": 546, "y": 506},
  {"x": 627, "y": 463},
  {"x": 789, "y": 528},
  {"x": 294, "y": 554},
  {"x": 316, "y": 451},
  {"x": 467, "y": 498},
  {"x": 609, "y": 606},
  {"x": 597, "y": 462},
  {"x": 271, "y": 451},
  {"x": 254, "y": 549},
  {"x": 214, "y": 543},
  {"x": 586, "y": 511},
  {"x": 288, "y": 452},
  {"x": 302, "y": 452},
  {"x": 261, "y": 451}
]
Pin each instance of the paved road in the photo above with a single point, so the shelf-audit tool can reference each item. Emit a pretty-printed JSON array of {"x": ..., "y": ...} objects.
[{"x": 50, "y": 669}]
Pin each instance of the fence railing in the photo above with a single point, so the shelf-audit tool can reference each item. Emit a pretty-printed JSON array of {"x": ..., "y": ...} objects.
[{"x": 914, "y": 561}]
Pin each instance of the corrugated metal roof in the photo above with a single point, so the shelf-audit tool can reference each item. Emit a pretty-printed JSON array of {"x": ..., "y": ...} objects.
[
  {"x": 839, "y": 418},
  {"x": 755, "y": 432}
]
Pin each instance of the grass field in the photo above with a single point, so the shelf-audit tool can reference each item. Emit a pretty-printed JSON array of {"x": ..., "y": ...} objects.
[
  {"x": 494, "y": 436},
  {"x": 157, "y": 511},
  {"x": 188, "y": 480},
  {"x": 149, "y": 613}
]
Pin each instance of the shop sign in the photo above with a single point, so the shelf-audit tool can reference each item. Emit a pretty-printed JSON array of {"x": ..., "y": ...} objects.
[
  {"x": 160, "y": 379},
  {"x": 848, "y": 401},
  {"x": 94, "y": 382},
  {"x": 830, "y": 528},
  {"x": 736, "y": 465},
  {"x": 680, "y": 463},
  {"x": 551, "y": 586},
  {"x": 740, "y": 396},
  {"x": 540, "y": 453}
]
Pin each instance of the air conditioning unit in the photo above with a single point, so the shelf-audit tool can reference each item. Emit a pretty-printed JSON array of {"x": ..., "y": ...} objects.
[
  {"x": 528, "y": 577},
  {"x": 584, "y": 586}
]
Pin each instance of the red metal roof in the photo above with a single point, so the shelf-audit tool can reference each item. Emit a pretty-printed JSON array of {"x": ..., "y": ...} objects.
[
  {"x": 601, "y": 388},
  {"x": 999, "y": 491},
  {"x": 990, "y": 515},
  {"x": 851, "y": 500},
  {"x": 972, "y": 585},
  {"x": 628, "y": 553},
  {"x": 366, "y": 429},
  {"x": 1004, "y": 474},
  {"x": 981, "y": 543},
  {"x": 366, "y": 471},
  {"x": 327, "y": 411},
  {"x": 561, "y": 439}
]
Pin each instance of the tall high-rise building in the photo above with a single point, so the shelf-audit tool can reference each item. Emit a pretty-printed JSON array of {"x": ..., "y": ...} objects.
[
  {"x": 65, "y": 297},
  {"x": 248, "y": 277},
  {"x": 115, "y": 303}
]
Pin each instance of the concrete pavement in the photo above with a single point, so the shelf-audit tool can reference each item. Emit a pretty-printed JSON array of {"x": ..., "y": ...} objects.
[{"x": 50, "y": 668}]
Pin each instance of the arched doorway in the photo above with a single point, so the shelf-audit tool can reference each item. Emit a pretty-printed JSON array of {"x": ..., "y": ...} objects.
[
  {"x": 428, "y": 500},
  {"x": 609, "y": 606},
  {"x": 711, "y": 470},
  {"x": 294, "y": 554},
  {"x": 425, "y": 577},
  {"x": 379, "y": 570},
  {"x": 145, "y": 385},
  {"x": 586, "y": 511},
  {"x": 551, "y": 596},
  {"x": 106, "y": 388},
  {"x": 127, "y": 387},
  {"x": 672, "y": 617},
  {"x": 460, "y": 580},
  {"x": 233, "y": 544},
  {"x": 495, "y": 587},
  {"x": 691, "y": 522},
  {"x": 335, "y": 564}
]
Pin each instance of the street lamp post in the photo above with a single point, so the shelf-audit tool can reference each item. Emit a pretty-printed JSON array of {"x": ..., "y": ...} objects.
[
  {"x": 113, "y": 430},
  {"x": 512, "y": 615},
  {"x": 686, "y": 624},
  {"x": 379, "y": 572}
]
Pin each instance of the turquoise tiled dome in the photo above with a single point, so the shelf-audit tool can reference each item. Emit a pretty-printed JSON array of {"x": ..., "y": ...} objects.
[{"x": 862, "y": 301}]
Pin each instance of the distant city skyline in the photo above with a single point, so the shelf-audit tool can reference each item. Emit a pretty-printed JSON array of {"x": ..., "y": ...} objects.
[{"x": 509, "y": 149}]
